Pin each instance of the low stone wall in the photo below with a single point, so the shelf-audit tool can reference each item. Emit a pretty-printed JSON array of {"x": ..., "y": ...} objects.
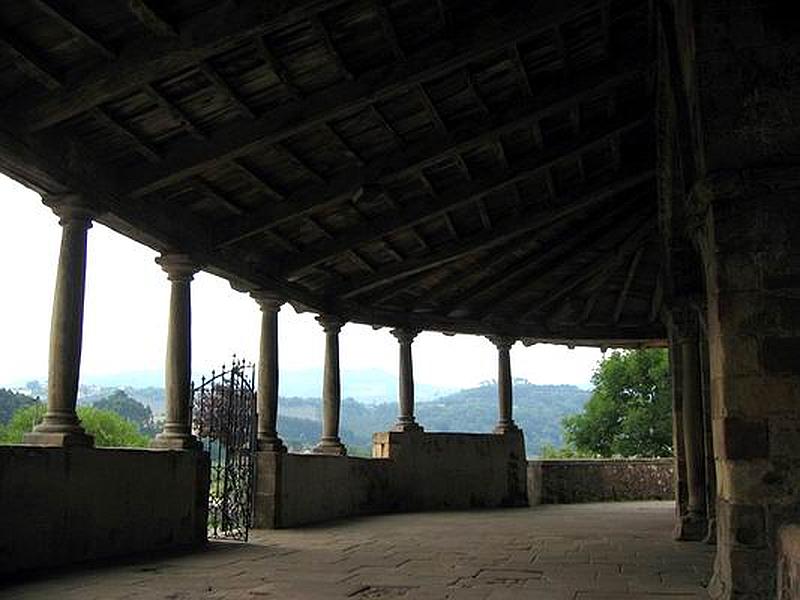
[
  {"x": 789, "y": 562},
  {"x": 600, "y": 480},
  {"x": 409, "y": 471},
  {"x": 61, "y": 506}
]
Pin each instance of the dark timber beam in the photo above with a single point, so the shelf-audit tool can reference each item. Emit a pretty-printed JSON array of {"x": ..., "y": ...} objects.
[
  {"x": 502, "y": 287},
  {"x": 23, "y": 58},
  {"x": 505, "y": 230},
  {"x": 68, "y": 23},
  {"x": 422, "y": 210},
  {"x": 623, "y": 294},
  {"x": 151, "y": 19},
  {"x": 149, "y": 59},
  {"x": 409, "y": 161},
  {"x": 244, "y": 136}
]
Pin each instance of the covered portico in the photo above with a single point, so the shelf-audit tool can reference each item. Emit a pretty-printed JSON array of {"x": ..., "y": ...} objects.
[{"x": 584, "y": 172}]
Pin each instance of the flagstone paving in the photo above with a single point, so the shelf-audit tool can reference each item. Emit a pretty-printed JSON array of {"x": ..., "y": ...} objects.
[{"x": 576, "y": 552}]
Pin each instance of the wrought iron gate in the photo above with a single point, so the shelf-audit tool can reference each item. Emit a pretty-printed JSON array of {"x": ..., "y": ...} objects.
[{"x": 224, "y": 420}]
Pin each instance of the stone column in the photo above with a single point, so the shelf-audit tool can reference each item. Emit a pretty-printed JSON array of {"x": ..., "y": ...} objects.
[
  {"x": 693, "y": 525},
  {"x": 177, "y": 433},
  {"x": 331, "y": 389},
  {"x": 505, "y": 390},
  {"x": 406, "y": 420},
  {"x": 61, "y": 426},
  {"x": 268, "y": 373}
]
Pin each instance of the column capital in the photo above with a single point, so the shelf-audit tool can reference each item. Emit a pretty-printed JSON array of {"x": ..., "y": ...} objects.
[
  {"x": 268, "y": 301},
  {"x": 70, "y": 208},
  {"x": 502, "y": 342},
  {"x": 331, "y": 323},
  {"x": 405, "y": 335},
  {"x": 178, "y": 267}
]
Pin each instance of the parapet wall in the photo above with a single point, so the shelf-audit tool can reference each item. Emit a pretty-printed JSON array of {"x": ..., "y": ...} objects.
[
  {"x": 600, "y": 480},
  {"x": 61, "y": 506},
  {"x": 409, "y": 471}
]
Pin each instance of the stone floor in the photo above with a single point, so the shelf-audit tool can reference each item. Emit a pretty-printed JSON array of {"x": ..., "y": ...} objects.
[{"x": 576, "y": 552}]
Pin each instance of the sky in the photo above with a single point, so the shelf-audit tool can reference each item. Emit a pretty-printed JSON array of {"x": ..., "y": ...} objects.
[{"x": 127, "y": 297}]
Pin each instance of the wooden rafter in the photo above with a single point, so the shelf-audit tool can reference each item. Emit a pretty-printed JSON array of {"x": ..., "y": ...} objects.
[
  {"x": 23, "y": 58},
  {"x": 623, "y": 294},
  {"x": 242, "y": 138},
  {"x": 387, "y": 26},
  {"x": 176, "y": 113},
  {"x": 504, "y": 287},
  {"x": 153, "y": 21},
  {"x": 421, "y": 210},
  {"x": 505, "y": 230},
  {"x": 69, "y": 23},
  {"x": 211, "y": 192},
  {"x": 225, "y": 88},
  {"x": 137, "y": 142}
]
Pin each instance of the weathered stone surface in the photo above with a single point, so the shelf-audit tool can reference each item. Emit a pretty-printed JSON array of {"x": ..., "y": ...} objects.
[
  {"x": 587, "y": 551},
  {"x": 572, "y": 481},
  {"x": 410, "y": 470},
  {"x": 61, "y": 506}
]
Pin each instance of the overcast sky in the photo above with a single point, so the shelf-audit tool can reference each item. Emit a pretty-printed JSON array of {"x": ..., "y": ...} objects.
[{"x": 126, "y": 309}]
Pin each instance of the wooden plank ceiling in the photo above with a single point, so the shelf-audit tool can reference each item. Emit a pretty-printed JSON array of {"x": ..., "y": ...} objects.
[{"x": 478, "y": 166}]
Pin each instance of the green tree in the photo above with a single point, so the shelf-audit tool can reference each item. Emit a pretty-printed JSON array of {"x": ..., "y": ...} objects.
[
  {"x": 108, "y": 428},
  {"x": 128, "y": 408},
  {"x": 630, "y": 410},
  {"x": 10, "y": 402}
]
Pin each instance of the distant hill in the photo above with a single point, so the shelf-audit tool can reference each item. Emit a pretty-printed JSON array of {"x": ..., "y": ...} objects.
[
  {"x": 10, "y": 402},
  {"x": 538, "y": 410}
]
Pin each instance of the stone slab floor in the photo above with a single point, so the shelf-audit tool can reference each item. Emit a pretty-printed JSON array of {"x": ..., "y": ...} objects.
[{"x": 575, "y": 552}]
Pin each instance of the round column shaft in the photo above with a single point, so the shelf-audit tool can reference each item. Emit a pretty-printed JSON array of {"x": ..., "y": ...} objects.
[
  {"x": 693, "y": 525},
  {"x": 406, "y": 420},
  {"x": 177, "y": 433},
  {"x": 61, "y": 426},
  {"x": 268, "y": 373},
  {"x": 505, "y": 393},
  {"x": 331, "y": 389}
]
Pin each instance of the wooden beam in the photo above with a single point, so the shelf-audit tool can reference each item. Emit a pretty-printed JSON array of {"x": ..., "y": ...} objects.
[
  {"x": 70, "y": 25},
  {"x": 504, "y": 287},
  {"x": 387, "y": 26},
  {"x": 623, "y": 294},
  {"x": 421, "y": 210},
  {"x": 243, "y": 137},
  {"x": 144, "y": 60},
  {"x": 215, "y": 195},
  {"x": 343, "y": 187},
  {"x": 601, "y": 269},
  {"x": 275, "y": 65},
  {"x": 226, "y": 90},
  {"x": 23, "y": 58},
  {"x": 176, "y": 113},
  {"x": 509, "y": 228},
  {"x": 322, "y": 31},
  {"x": 257, "y": 180},
  {"x": 138, "y": 144},
  {"x": 151, "y": 19}
]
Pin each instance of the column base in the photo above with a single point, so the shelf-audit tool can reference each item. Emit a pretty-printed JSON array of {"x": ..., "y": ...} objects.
[
  {"x": 691, "y": 528},
  {"x": 333, "y": 447},
  {"x": 271, "y": 445},
  {"x": 401, "y": 426},
  {"x": 175, "y": 442},
  {"x": 59, "y": 438},
  {"x": 503, "y": 428}
]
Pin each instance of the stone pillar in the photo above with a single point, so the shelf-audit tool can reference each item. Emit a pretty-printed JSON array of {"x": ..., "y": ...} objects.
[
  {"x": 681, "y": 499},
  {"x": 505, "y": 390},
  {"x": 177, "y": 433},
  {"x": 406, "y": 420},
  {"x": 693, "y": 524},
  {"x": 331, "y": 389},
  {"x": 268, "y": 373},
  {"x": 61, "y": 426}
]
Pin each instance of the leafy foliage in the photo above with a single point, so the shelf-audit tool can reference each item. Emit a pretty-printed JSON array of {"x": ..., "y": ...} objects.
[
  {"x": 630, "y": 410},
  {"x": 10, "y": 402},
  {"x": 108, "y": 428},
  {"x": 132, "y": 410}
]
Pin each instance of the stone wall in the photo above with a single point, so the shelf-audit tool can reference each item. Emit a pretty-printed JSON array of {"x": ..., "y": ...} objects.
[
  {"x": 61, "y": 506},
  {"x": 409, "y": 471},
  {"x": 789, "y": 562},
  {"x": 572, "y": 481}
]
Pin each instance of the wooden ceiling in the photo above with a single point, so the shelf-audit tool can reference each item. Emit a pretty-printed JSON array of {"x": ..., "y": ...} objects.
[{"x": 481, "y": 166}]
